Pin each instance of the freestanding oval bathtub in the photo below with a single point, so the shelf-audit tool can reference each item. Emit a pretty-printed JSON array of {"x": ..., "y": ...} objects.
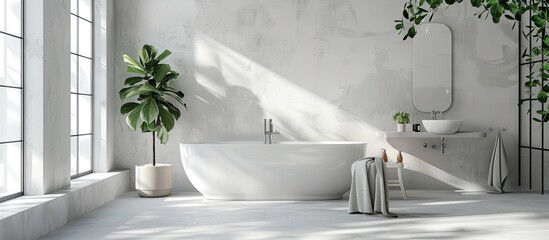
[{"x": 284, "y": 171}]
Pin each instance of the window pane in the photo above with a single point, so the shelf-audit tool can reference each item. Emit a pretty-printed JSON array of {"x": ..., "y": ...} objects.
[
  {"x": 85, "y": 9},
  {"x": 74, "y": 73},
  {"x": 84, "y": 114},
  {"x": 74, "y": 155},
  {"x": 10, "y": 61},
  {"x": 10, "y": 168},
  {"x": 10, "y": 22},
  {"x": 84, "y": 75},
  {"x": 84, "y": 157},
  {"x": 74, "y": 34},
  {"x": 82, "y": 85},
  {"x": 10, "y": 114},
  {"x": 74, "y": 6},
  {"x": 84, "y": 38},
  {"x": 74, "y": 114}
]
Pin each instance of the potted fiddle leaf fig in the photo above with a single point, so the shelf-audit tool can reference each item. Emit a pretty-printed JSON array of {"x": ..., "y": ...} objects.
[{"x": 149, "y": 107}]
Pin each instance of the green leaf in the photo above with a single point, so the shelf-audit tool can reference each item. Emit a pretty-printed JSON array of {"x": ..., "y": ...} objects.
[
  {"x": 434, "y": 3},
  {"x": 173, "y": 109},
  {"x": 144, "y": 56},
  {"x": 149, "y": 127},
  {"x": 513, "y": 8},
  {"x": 171, "y": 75},
  {"x": 138, "y": 90},
  {"x": 135, "y": 69},
  {"x": 412, "y": 32},
  {"x": 133, "y": 118},
  {"x": 149, "y": 112},
  {"x": 128, "y": 107},
  {"x": 166, "y": 118},
  {"x": 492, "y": 3},
  {"x": 173, "y": 90},
  {"x": 132, "y": 62},
  {"x": 160, "y": 71},
  {"x": 151, "y": 50},
  {"x": 542, "y": 96},
  {"x": 544, "y": 117},
  {"x": 162, "y": 134},
  {"x": 536, "y": 51},
  {"x": 163, "y": 55},
  {"x": 496, "y": 11},
  {"x": 174, "y": 96},
  {"x": 133, "y": 80},
  {"x": 405, "y": 14},
  {"x": 538, "y": 21}
]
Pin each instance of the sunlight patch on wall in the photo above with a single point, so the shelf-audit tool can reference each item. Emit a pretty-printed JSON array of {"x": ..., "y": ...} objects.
[{"x": 297, "y": 113}]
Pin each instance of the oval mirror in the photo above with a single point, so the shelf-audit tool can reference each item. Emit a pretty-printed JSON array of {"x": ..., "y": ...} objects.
[{"x": 432, "y": 68}]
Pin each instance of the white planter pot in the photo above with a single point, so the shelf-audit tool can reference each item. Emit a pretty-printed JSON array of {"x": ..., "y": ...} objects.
[
  {"x": 401, "y": 127},
  {"x": 154, "y": 181}
]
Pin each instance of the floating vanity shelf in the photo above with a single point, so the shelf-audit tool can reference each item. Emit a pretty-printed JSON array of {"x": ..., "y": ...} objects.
[{"x": 432, "y": 135}]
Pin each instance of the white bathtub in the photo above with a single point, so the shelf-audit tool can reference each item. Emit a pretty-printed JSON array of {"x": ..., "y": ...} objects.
[{"x": 284, "y": 171}]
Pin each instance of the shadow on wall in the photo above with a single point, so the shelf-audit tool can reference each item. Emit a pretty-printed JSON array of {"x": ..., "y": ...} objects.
[
  {"x": 379, "y": 87},
  {"x": 233, "y": 93},
  {"x": 462, "y": 161},
  {"x": 261, "y": 93},
  {"x": 233, "y": 113}
]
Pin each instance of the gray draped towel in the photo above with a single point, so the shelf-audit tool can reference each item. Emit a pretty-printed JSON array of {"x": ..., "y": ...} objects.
[
  {"x": 498, "y": 171},
  {"x": 368, "y": 192}
]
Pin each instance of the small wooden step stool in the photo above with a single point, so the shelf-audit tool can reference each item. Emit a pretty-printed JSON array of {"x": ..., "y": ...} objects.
[{"x": 399, "y": 182}]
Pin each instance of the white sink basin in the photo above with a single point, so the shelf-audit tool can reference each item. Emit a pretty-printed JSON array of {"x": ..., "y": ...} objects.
[{"x": 442, "y": 126}]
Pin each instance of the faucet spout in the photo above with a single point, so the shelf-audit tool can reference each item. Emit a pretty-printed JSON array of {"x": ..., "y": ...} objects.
[
  {"x": 434, "y": 114},
  {"x": 268, "y": 131}
]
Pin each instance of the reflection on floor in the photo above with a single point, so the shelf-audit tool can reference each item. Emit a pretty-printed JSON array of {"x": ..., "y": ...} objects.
[{"x": 426, "y": 215}]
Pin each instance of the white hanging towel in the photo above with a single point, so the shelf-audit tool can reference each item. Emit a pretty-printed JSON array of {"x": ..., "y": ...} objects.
[{"x": 498, "y": 172}]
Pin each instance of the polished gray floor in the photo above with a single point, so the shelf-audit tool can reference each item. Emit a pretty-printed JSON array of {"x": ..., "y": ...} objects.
[{"x": 426, "y": 215}]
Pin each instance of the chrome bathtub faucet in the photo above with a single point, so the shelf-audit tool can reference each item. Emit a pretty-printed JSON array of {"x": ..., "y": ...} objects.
[{"x": 268, "y": 130}]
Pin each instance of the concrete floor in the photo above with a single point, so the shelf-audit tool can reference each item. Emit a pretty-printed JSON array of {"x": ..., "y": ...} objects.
[{"x": 426, "y": 215}]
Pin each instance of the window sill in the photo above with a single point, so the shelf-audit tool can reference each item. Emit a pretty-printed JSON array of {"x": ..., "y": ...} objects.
[{"x": 29, "y": 217}]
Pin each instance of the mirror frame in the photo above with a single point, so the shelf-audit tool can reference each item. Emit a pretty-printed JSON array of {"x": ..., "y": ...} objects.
[{"x": 430, "y": 68}]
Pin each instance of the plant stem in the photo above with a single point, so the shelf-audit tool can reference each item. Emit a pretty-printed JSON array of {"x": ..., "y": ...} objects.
[{"x": 154, "y": 150}]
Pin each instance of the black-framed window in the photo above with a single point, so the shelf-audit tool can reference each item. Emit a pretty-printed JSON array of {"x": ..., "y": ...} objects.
[
  {"x": 11, "y": 99},
  {"x": 81, "y": 87}
]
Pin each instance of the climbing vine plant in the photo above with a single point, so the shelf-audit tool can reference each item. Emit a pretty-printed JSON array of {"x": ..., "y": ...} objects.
[{"x": 417, "y": 12}]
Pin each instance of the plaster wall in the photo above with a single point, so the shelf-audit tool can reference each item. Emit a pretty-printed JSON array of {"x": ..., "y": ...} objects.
[
  {"x": 322, "y": 70},
  {"x": 47, "y": 96},
  {"x": 47, "y": 93},
  {"x": 105, "y": 95}
]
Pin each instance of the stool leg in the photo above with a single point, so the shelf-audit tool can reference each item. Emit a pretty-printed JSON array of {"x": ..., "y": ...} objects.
[{"x": 402, "y": 190}]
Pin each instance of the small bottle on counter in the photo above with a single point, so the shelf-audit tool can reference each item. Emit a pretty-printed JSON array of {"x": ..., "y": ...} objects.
[
  {"x": 384, "y": 155},
  {"x": 399, "y": 157}
]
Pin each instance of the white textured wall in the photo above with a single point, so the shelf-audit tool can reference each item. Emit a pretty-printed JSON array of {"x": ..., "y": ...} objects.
[
  {"x": 104, "y": 88},
  {"x": 47, "y": 93},
  {"x": 323, "y": 70},
  {"x": 47, "y": 96}
]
